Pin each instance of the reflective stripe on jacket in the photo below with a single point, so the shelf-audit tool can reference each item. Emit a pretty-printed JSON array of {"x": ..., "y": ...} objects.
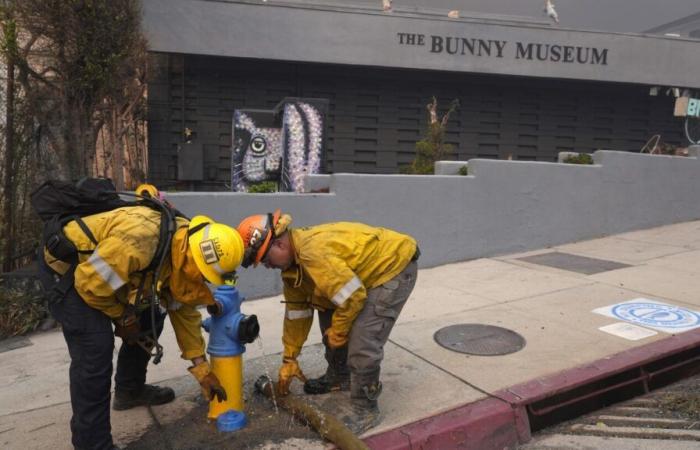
[
  {"x": 108, "y": 278},
  {"x": 334, "y": 266}
]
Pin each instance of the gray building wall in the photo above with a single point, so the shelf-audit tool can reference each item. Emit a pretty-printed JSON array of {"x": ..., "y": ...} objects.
[
  {"x": 377, "y": 114},
  {"x": 501, "y": 207},
  {"x": 369, "y": 37}
]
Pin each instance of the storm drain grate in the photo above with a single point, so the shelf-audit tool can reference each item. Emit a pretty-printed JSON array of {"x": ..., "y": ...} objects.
[
  {"x": 477, "y": 339},
  {"x": 574, "y": 263}
]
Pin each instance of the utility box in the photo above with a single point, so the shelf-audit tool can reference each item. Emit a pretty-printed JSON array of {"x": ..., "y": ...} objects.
[{"x": 190, "y": 162}]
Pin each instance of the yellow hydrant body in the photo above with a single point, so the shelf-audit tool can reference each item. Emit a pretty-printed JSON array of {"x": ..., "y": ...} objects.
[{"x": 229, "y": 371}]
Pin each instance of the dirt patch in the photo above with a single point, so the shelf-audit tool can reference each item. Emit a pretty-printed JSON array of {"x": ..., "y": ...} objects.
[
  {"x": 195, "y": 431},
  {"x": 266, "y": 429}
]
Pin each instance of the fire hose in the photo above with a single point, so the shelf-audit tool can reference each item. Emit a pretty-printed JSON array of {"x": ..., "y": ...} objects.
[{"x": 325, "y": 424}]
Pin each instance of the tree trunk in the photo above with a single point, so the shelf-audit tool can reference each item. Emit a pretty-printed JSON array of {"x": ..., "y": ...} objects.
[
  {"x": 117, "y": 153},
  {"x": 8, "y": 187},
  {"x": 80, "y": 141},
  {"x": 67, "y": 147}
]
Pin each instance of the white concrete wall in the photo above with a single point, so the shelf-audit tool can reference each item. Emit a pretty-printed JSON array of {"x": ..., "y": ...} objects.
[{"x": 501, "y": 207}]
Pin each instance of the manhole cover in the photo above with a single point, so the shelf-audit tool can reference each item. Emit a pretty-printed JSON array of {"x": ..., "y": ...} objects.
[{"x": 477, "y": 339}]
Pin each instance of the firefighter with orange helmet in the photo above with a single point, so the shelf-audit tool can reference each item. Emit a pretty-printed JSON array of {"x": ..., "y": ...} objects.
[{"x": 357, "y": 278}]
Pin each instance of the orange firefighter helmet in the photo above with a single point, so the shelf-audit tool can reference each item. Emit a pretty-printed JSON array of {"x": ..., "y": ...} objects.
[{"x": 257, "y": 232}]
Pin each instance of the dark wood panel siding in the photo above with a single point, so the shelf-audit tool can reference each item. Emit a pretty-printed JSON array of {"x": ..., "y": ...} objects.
[{"x": 376, "y": 115}]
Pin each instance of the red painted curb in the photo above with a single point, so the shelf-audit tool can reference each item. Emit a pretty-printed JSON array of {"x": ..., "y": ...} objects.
[
  {"x": 486, "y": 424},
  {"x": 496, "y": 424}
]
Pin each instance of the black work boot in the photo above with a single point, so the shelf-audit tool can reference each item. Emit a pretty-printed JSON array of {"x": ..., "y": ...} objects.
[
  {"x": 327, "y": 383},
  {"x": 364, "y": 413},
  {"x": 146, "y": 396},
  {"x": 337, "y": 376}
]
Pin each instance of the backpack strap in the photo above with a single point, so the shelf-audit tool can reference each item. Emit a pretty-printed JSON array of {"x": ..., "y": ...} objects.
[
  {"x": 195, "y": 229},
  {"x": 87, "y": 232}
]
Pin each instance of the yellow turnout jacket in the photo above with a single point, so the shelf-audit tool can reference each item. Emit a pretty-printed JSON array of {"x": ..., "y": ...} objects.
[
  {"x": 334, "y": 266},
  {"x": 107, "y": 276}
]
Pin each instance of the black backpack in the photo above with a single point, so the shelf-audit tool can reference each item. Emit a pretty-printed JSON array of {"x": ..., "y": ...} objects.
[
  {"x": 59, "y": 202},
  {"x": 87, "y": 196}
]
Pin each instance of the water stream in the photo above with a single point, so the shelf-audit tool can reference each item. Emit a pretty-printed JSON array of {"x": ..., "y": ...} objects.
[{"x": 267, "y": 371}]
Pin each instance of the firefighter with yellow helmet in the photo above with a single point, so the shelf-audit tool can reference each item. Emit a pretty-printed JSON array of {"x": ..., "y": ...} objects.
[
  {"x": 109, "y": 283},
  {"x": 357, "y": 278}
]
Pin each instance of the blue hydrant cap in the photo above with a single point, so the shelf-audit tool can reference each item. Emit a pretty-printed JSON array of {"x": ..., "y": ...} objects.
[{"x": 231, "y": 420}]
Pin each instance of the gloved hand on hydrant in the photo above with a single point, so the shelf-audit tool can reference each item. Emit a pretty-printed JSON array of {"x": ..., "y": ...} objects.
[
  {"x": 211, "y": 387},
  {"x": 288, "y": 371}
]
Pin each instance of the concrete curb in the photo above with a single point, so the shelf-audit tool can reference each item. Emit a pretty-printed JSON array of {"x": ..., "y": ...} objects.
[{"x": 502, "y": 421}]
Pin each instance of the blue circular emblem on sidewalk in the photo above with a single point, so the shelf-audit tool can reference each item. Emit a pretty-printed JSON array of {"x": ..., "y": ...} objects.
[{"x": 656, "y": 315}]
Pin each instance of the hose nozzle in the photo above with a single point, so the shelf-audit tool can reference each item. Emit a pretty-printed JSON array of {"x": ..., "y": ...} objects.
[{"x": 263, "y": 385}]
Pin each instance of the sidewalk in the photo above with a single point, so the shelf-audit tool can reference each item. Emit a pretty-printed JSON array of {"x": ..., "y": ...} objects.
[{"x": 432, "y": 396}]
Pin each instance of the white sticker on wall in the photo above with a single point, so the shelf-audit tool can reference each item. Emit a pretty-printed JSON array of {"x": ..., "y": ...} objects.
[
  {"x": 653, "y": 314},
  {"x": 628, "y": 331}
]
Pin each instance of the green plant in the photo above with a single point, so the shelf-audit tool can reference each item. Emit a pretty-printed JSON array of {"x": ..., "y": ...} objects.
[
  {"x": 581, "y": 158},
  {"x": 263, "y": 187},
  {"x": 21, "y": 311},
  {"x": 432, "y": 147},
  {"x": 464, "y": 170}
]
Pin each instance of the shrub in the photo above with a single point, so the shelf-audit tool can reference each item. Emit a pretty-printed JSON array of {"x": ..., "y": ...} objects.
[
  {"x": 432, "y": 147},
  {"x": 464, "y": 170},
  {"x": 21, "y": 311},
  {"x": 581, "y": 158},
  {"x": 263, "y": 187}
]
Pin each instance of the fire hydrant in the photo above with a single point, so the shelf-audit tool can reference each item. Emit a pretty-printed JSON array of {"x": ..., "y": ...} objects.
[{"x": 229, "y": 330}]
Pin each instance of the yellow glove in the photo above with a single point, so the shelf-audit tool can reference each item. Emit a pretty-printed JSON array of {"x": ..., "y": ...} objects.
[
  {"x": 334, "y": 339},
  {"x": 211, "y": 387},
  {"x": 288, "y": 371}
]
